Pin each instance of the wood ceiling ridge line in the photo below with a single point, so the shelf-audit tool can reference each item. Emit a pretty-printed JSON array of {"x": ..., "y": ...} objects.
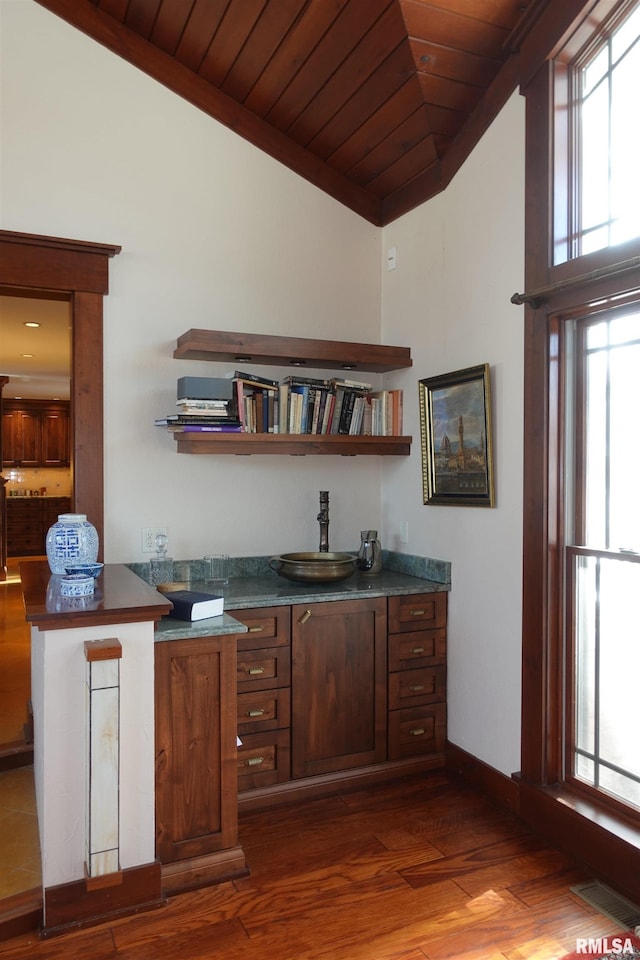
[
  {"x": 303, "y": 87},
  {"x": 184, "y": 83},
  {"x": 358, "y": 92},
  {"x": 490, "y": 16},
  {"x": 457, "y": 51},
  {"x": 160, "y": 31},
  {"x": 444, "y": 23},
  {"x": 436, "y": 178},
  {"x": 375, "y": 60},
  {"x": 420, "y": 108},
  {"x": 309, "y": 32},
  {"x": 241, "y": 84},
  {"x": 365, "y": 95}
]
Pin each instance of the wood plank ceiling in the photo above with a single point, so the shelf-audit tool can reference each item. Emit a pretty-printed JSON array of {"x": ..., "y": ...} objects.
[{"x": 376, "y": 102}]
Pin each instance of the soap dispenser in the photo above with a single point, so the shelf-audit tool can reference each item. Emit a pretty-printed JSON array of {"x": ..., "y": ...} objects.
[{"x": 370, "y": 553}]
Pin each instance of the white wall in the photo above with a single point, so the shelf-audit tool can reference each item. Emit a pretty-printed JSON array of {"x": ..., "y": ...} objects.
[
  {"x": 460, "y": 257},
  {"x": 58, "y": 667},
  {"x": 215, "y": 234}
]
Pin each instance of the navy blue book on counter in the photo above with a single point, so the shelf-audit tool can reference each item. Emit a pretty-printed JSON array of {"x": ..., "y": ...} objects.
[{"x": 193, "y": 605}]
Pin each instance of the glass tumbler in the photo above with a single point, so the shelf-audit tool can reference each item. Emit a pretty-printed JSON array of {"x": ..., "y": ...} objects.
[{"x": 216, "y": 568}]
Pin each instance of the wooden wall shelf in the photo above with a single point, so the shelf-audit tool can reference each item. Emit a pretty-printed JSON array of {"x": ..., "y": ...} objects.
[
  {"x": 294, "y": 444},
  {"x": 344, "y": 358},
  {"x": 241, "y": 348}
]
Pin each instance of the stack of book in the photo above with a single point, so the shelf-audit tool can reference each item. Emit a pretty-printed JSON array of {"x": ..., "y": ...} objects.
[
  {"x": 339, "y": 406},
  {"x": 204, "y": 405},
  {"x": 246, "y": 402},
  {"x": 257, "y": 401}
]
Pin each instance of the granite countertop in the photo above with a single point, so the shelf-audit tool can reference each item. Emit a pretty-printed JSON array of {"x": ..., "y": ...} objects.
[{"x": 243, "y": 593}]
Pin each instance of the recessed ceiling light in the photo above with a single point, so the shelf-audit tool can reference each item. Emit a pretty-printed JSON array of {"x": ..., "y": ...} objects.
[
  {"x": 27, "y": 355},
  {"x": 31, "y": 323}
]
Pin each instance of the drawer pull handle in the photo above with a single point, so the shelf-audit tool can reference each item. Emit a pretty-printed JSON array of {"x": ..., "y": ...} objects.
[
  {"x": 254, "y": 761},
  {"x": 417, "y": 613},
  {"x": 416, "y": 687},
  {"x": 417, "y": 732},
  {"x": 305, "y": 616},
  {"x": 254, "y": 713},
  {"x": 417, "y": 649},
  {"x": 254, "y": 671},
  {"x": 258, "y": 629}
]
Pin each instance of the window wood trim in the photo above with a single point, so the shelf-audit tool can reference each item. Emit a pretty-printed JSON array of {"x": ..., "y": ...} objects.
[{"x": 608, "y": 841}]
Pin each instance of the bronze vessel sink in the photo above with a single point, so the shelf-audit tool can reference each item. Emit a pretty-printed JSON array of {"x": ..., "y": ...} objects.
[{"x": 314, "y": 567}]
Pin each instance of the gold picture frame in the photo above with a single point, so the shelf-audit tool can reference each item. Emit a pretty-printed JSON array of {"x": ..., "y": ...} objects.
[{"x": 456, "y": 438}]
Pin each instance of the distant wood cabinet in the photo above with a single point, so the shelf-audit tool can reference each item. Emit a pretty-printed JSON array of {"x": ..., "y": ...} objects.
[
  {"x": 196, "y": 792},
  {"x": 36, "y": 433},
  {"x": 28, "y": 520}
]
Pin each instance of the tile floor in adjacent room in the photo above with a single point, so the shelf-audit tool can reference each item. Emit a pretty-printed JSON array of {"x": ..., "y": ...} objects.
[
  {"x": 15, "y": 657},
  {"x": 19, "y": 842}
]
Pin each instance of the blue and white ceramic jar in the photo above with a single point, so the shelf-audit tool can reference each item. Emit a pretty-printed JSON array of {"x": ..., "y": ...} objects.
[{"x": 71, "y": 539}]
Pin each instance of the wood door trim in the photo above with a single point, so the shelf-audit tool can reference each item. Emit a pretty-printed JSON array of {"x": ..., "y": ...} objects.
[{"x": 44, "y": 266}]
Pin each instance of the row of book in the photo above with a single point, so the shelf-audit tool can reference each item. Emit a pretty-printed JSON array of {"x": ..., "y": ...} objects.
[{"x": 299, "y": 405}]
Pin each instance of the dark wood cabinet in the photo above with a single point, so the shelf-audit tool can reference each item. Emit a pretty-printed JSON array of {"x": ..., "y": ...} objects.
[
  {"x": 264, "y": 696},
  {"x": 56, "y": 436},
  {"x": 28, "y": 520},
  {"x": 339, "y": 690},
  {"x": 339, "y": 685},
  {"x": 21, "y": 436},
  {"x": 36, "y": 433},
  {"x": 196, "y": 794},
  {"x": 417, "y": 675}
]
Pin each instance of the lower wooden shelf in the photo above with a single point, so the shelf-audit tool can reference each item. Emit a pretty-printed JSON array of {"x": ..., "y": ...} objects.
[{"x": 294, "y": 444}]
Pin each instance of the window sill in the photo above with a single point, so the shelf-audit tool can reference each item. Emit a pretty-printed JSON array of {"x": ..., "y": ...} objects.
[{"x": 606, "y": 842}]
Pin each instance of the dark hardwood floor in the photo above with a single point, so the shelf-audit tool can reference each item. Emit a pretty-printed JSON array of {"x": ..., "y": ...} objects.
[{"x": 424, "y": 868}]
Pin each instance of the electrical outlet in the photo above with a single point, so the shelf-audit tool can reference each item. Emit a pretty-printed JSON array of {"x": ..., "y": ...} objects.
[
  {"x": 149, "y": 535},
  {"x": 404, "y": 531}
]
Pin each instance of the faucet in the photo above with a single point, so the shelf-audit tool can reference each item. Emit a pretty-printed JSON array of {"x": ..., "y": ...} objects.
[{"x": 323, "y": 519}]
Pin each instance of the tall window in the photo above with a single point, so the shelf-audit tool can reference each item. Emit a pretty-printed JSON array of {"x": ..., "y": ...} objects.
[
  {"x": 597, "y": 140},
  {"x": 602, "y": 360},
  {"x": 581, "y": 631},
  {"x": 605, "y": 85}
]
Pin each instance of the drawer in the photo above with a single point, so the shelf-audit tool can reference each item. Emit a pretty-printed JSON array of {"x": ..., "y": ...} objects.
[
  {"x": 412, "y": 688},
  {"x": 263, "y": 710},
  {"x": 25, "y": 541},
  {"x": 264, "y": 759},
  {"x": 24, "y": 508},
  {"x": 24, "y": 523},
  {"x": 420, "y": 648},
  {"x": 422, "y": 609},
  {"x": 416, "y": 731},
  {"x": 263, "y": 669},
  {"x": 268, "y": 627}
]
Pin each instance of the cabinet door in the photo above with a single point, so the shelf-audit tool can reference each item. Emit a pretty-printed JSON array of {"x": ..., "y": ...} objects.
[
  {"x": 21, "y": 438},
  {"x": 339, "y": 696},
  {"x": 56, "y": 437},
  {"x": 196, "y": 798},
  {"x": 24, "y": 527}
]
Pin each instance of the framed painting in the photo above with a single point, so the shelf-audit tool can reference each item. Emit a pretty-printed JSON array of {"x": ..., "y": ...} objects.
[{"x": 455, "y": 433}]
